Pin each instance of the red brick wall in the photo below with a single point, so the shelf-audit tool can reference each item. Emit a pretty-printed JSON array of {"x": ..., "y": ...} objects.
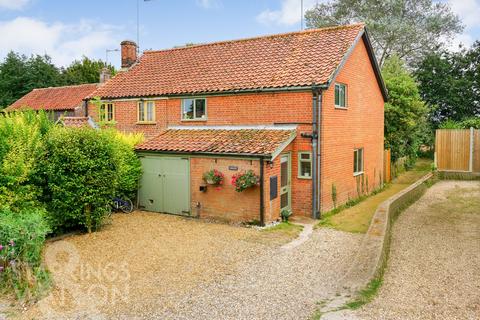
[
  {"x": 224, "y": 203},
  {"x": 361, "y": 125}
]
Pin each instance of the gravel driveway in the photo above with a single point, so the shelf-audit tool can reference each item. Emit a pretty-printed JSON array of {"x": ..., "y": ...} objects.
[
  {"x": 434, "y": 266},
  {"x": 153, "y": 266}
]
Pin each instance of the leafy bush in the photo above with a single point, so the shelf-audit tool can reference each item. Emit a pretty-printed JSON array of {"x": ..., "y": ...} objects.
[
  {"x": 81, "y": 171},
  {"x": 21, "y": 147},
  {"x": 405, "y": 112},
  {"x": 464, "y": 124},
  {"x": 129, "y": 167},
  {"x": 22, "y": 235}
]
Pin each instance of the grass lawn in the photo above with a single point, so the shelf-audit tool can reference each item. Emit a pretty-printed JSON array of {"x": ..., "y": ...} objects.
[
  {"x": 285, "y": 229},
  {"x": 357, "y": 218}
]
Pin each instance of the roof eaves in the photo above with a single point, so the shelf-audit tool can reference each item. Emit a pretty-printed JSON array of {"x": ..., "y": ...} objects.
[
  {"x": 362, "y": 35},
  {"x": 283, "y": 145},
  {"x": 211, "y": 93},
  {"x": 376, "y": 67}
]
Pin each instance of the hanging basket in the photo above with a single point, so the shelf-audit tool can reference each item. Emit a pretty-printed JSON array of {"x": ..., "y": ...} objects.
[{"x": 213, "y": 177}]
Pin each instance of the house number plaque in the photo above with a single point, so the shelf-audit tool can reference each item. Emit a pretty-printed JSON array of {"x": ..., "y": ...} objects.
[{"x": 233, "y": 168}]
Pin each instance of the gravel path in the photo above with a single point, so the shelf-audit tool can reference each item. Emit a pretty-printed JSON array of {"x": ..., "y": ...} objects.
[
  {"x": 434, "y": 266},
  {"x": 151, "y": 266}
]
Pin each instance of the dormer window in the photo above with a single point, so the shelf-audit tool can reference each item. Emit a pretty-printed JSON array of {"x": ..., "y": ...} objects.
[
  {"x": 340, "y": 95},
  {"x": 194, "y": 109}
]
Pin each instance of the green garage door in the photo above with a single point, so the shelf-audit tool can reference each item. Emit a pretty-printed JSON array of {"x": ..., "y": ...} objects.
[{"x": 164, "y": 186}]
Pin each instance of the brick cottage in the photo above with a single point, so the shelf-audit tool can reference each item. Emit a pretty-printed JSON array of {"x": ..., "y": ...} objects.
[{"x": 304, "y": 111}]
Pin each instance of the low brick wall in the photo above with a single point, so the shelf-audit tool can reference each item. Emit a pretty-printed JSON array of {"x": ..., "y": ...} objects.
[{"x": 373, "y": 252}]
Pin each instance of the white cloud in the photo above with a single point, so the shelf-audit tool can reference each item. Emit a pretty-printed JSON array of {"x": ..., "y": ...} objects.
[
  {"x": 63, "y": 42},
  {"x": 13, "y": 4},
  {"x": 288, "y": 14},
  {"x": 468, "y": 11},
  {"x": 207, "y": 4}
]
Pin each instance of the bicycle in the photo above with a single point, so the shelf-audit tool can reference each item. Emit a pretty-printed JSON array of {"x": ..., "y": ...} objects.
[{"x": 118, "y": 204}]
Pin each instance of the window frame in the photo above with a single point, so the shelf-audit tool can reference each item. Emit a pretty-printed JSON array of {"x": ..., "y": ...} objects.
[
  {"x": 300, "y": 161},
  {"x": 205, "y": 116},
  {"x": 145, "y": 112},
  {"x": 355, "y": 165},
  {"x": 337, "y": 106},
  {"x": 103, "y": 115}
]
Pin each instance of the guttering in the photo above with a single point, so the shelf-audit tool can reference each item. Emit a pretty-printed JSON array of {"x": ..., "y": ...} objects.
[
  {"x": 210, "y": 154},
  {"x": 211, "y": 93},
  {"x": 262, "y": 207}
]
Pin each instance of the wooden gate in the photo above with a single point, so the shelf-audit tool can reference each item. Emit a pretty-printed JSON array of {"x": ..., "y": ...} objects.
[{"x": 457, "y": 150}]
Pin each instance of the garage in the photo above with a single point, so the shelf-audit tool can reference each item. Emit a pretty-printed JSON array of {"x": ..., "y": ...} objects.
[{"x": 165, "y": 184}]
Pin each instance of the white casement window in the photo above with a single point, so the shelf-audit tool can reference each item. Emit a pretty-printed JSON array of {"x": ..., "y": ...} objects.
[
  {"x": 107, "y": 112},
  {"x": 340, "y": 95},
  {"x": 357, "y": 161},
  {"x": 146, "y": 111},
  {"x": 305, "y": 165},
  {"x": 194, "y": 109}
]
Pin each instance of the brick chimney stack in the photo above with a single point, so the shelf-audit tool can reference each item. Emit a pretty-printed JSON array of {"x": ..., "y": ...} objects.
[
  {"x": 105, "y": 75},
  {"x": 129, "y": 53}
]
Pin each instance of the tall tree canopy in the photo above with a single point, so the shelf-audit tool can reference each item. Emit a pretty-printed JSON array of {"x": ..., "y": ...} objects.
[
  {"x": 408, "y": 29},
  {"x": 85, "y": 71},
  {"x": 405, "y": 112},
  {"x": 450, "y": 84},
  {"x": 20, "y": 74}
]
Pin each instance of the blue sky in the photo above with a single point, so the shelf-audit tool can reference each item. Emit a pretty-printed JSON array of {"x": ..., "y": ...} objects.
[{"x": 66, "y": 30}]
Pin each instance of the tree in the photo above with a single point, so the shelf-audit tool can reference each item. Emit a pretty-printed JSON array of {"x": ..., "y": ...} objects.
[
  {"x": 85, "y": 71},
  {"x": 20, "y": 75},
  {"x": 408, "y": 29},
  {"x": 404, "y": 112},
  {"x": 450, "y": 84},
  {"x": 13, "y": 77}
]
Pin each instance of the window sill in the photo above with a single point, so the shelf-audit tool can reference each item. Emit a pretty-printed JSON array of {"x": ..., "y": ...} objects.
[
  {"x": 358, "y": 174},
  {"x": 341, "y": 108},
  {"x": 304, "y": 178},
  {"x": 194, "y": 120},
  {"x": 146, "y": 122}
]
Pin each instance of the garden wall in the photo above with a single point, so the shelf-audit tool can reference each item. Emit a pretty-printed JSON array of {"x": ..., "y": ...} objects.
[{"x": 374, "y": 249}]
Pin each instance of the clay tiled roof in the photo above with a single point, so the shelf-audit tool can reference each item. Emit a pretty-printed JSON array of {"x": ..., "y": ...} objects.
[
  {"x": 220, "y": 141},
  {"x": 76, "y": 122},
  {"x": 54, "y": 98},
  {"x": 286, "y": 60}
]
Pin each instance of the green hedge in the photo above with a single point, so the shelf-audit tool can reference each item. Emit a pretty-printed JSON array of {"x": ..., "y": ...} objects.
[{"x": 81, "y": 174}]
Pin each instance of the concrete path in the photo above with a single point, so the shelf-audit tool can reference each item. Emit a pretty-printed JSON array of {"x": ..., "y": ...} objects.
[{"x": 302, "y": 237}]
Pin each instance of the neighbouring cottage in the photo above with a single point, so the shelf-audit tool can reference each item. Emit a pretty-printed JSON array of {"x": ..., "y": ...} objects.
[
  {"x": 303, "y": 111},
  {"x": 67, "y": 102}
]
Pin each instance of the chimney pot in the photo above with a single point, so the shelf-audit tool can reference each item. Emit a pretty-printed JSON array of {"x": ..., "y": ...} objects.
[
  {"x": 129, "y": 53},
  {"x": 105, "y": 75}
]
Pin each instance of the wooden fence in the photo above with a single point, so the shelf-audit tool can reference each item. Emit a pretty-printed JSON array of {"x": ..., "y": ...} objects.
[
  {"x": 457, "y": 150},
  {"x": 387, "y": 165}
]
